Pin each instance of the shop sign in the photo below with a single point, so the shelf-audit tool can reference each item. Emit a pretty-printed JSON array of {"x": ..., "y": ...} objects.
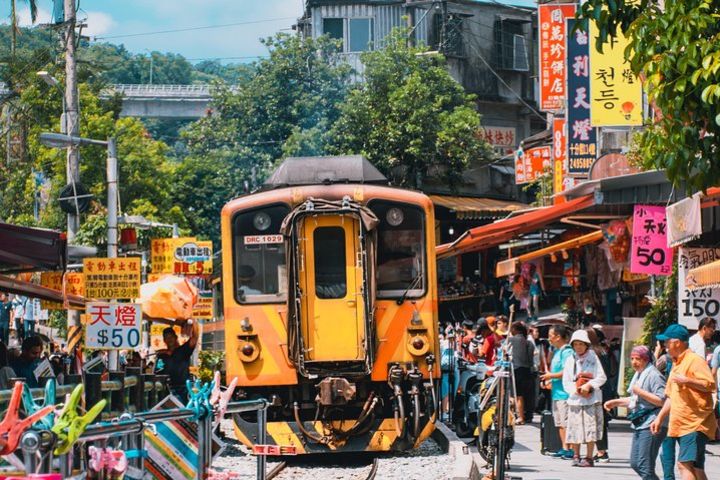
[
  {"x": 552, "y": 53},
  {"x": 649, "y": 252},
  {"x": 531, "y": 164},
  {"x": 203, "y": 308},
  {"x": 616, "y": 91},
  {"x": 112, "y": 278},
  {"x": 559, "y": 157},
  {"x": 114, "y": 326},
  {"x": 74, "y": 285},
  {"x": 499, "y": 136},
  {"x": 581, "y": 137},
  {"x": 698, "y": 303},
  {"x": 181, "y": 256}
]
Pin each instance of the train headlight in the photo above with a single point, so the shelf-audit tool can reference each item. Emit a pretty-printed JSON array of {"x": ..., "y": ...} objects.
[
  {"x": 418, "y": 345},
  {"x": 394, "y": 216},
  {"x": 261, "y": 221},
  {"x": 248, "y": 351}
]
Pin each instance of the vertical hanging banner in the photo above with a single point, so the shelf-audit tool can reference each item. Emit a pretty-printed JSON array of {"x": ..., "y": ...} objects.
[
  {"x": 616, "y": 91},
  {"x": 531, "y": 164},
  {"x": 581, "y": 137},
  {"x": 553, "y": 30},
  {"x": 559, "y": 157},
  {"x": 698, "y": 303},
  {"x": 650, "y": 253}
]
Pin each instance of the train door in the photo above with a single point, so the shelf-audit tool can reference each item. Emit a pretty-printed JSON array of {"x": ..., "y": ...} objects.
[{"x": 331, "y": 279}]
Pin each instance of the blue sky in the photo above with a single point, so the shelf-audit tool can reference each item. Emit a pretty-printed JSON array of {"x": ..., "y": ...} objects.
[{"x": 118, "y": 17}]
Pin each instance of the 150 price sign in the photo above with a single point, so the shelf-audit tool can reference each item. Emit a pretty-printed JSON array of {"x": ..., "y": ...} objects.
[
  {"x": 113, "y": 326},
  {"x": 698, "y": 303}
]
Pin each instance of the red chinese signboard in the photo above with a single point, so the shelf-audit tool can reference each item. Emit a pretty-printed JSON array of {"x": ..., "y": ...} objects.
[
  {"x": 499, "y": 136},
  {"x": 532, "y": 164},
  {"x": 553, "y": 57},
  {"x": 650, "y": 253},
  {"x": 559, "y": 157}
]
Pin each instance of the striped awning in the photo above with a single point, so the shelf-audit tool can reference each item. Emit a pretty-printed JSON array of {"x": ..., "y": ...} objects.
[
  {"x": 704, "y": 276},
  {"x": 476, "y": 207}
]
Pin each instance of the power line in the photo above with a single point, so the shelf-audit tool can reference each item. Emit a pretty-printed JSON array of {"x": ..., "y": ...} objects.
[
  {"x": 499, "y": 77},
  {"x": 188, "y": 29}
]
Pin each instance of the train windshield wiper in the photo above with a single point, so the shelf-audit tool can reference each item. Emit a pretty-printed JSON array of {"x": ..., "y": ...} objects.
[{"x": 416, "y": 281}]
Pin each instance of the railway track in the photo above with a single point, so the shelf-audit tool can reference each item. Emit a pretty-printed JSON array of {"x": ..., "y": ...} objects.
[{"x": 277, "y": 471}]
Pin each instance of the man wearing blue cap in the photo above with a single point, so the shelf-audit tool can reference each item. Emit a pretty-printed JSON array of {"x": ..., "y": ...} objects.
[{"x": 689, "y": 402}]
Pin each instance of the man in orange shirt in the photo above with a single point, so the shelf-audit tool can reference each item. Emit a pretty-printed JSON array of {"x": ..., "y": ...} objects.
[{"x": 689, "y": 402}]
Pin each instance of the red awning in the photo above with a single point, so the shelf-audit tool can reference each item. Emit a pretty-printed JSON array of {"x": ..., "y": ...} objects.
[
  {"x": 494, "y": 234},
  {"x": 25, "y": 249}
]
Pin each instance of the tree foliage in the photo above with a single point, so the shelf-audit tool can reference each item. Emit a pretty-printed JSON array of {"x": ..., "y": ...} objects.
[
  {"x": 289, "y": 100},
  {"x": 410, "y": 117},
  {"x": 675, "y": 48}
]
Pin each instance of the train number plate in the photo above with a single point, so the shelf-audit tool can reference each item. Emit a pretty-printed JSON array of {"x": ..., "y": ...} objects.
[{"x": 273, "y": 450}]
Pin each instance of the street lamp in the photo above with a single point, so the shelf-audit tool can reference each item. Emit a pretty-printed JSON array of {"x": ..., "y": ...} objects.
[
  {"x": 59, "y": 140},
  {"x": 54, "y": 82}
]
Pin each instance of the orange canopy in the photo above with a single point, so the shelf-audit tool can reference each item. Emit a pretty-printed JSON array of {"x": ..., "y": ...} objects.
[
  {"x": 493, "y": 234},
  {"x": 170, "y": 297}
]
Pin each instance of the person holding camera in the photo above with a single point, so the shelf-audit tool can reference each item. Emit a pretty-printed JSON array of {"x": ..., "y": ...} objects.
[
  {"x": 583, "y": 377},
  {"x": 647, "y": 395}
]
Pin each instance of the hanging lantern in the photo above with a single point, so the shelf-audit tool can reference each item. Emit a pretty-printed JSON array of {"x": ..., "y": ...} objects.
[{"x": 128, "y": 238}]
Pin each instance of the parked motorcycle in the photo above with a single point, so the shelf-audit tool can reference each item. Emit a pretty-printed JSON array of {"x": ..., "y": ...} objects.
[{"x": 467, "y": 399}]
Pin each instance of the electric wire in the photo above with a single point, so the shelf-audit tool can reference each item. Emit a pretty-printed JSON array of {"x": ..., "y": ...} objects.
[{"x": 189, "y": 29}]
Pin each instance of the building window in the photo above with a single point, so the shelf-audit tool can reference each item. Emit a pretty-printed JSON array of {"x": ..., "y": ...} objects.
[
  {"x": 335, "y": 29},
  {"x": 361, "y": 34},
  {"x": 356, "y": 34},
  {"x": 448, "y": 35},
  {"x": 510, "y": 45}
]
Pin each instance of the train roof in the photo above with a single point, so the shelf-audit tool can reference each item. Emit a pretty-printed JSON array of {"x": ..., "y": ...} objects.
[{"x": 296, "y": 171}]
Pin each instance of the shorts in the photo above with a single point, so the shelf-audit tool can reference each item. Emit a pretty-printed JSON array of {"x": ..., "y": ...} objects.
[
  {"x": 560, "y": 413},
  {"x": 692, "y": 449}
]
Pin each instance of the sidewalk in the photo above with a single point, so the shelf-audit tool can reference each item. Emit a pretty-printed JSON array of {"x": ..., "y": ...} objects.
[{"x": 528, "y": 464}]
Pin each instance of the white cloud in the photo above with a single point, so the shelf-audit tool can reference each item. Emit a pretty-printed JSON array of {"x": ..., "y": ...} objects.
[
  {"x": 43, "y": 16},
  {"x": 98, "y": 23}
]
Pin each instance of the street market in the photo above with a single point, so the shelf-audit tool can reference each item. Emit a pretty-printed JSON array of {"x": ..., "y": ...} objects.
[{"x": 442, "y": 239}]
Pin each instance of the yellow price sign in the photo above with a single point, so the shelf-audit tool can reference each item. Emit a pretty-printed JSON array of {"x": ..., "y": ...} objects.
[{"x": 112, "y": 278}]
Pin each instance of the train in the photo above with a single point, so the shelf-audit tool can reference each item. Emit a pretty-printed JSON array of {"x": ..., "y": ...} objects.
[{"x": 330, "y": 308}]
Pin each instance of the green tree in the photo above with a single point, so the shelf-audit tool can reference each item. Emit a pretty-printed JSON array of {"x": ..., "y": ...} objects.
[
  {"x": 278, "y": 111},
  {"x": 410, "y": 117},
  {"x": 675, "y": 47}
]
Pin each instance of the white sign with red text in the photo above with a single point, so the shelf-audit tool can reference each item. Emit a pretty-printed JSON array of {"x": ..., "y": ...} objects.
[
  {"x": 262, "y": 239},
  {"x": 113, "y": 326}
]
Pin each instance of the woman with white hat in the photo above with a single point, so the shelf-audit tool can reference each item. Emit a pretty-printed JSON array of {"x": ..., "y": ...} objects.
[{"x": 583, "y": 376}]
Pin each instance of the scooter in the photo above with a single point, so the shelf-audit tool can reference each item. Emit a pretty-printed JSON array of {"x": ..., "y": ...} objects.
[{"x": 467, "y": 399}]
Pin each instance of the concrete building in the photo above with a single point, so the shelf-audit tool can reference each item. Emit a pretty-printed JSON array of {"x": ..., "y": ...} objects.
[{"x": 490, "y": 46}]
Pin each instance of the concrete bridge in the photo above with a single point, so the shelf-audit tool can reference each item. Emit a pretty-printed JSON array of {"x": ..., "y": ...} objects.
[
  {"x": 156, "y": 101},
  {"x": 162, "y": 101}
]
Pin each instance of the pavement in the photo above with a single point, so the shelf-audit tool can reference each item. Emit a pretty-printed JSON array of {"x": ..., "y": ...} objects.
[{"x": 527, "y": 463}]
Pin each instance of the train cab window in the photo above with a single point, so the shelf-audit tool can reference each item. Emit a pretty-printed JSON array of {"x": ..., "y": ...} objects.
[
  {"x": 400, "y": 250},
  {"x": 330, "y": 267},
  {"x": 259, "y": 255}
]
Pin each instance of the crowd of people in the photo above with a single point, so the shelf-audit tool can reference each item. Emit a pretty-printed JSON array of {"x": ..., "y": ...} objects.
[{"x": 670, "y": 401}]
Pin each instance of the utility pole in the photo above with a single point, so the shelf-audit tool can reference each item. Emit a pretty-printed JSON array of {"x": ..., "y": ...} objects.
[
  {"x": 72, "y": 123},
  {"x": 112, "y": 221}
]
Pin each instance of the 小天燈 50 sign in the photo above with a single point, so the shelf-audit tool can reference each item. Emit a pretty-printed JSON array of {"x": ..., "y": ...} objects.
[{"x": 649, "y": 252}]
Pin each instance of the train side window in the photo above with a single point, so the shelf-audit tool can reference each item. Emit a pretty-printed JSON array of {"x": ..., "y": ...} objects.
[
  {"x": 401, "y": 249},
  {"x": 259, "y": 263},
  {"x": 330, "y": 267}
]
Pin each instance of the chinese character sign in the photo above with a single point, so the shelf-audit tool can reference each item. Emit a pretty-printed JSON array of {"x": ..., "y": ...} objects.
[
  {"x": 581, "y": 136},
  {"x": 616, "y": 91},
  {"x": 650, "y": 253},
  {"x": 553, "y": 30},
  {"x": 531, "y": 164},
  {"x": 111, "y": 278},
  {"x": 559, "y": 156},
  {"x": 698, "y": 303},
  {"x": 74, "y": 285},
  {"x": 181, "y": 256},
  {"x": 499, "y": 136},
  {"x": 113, "y": 325}
]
